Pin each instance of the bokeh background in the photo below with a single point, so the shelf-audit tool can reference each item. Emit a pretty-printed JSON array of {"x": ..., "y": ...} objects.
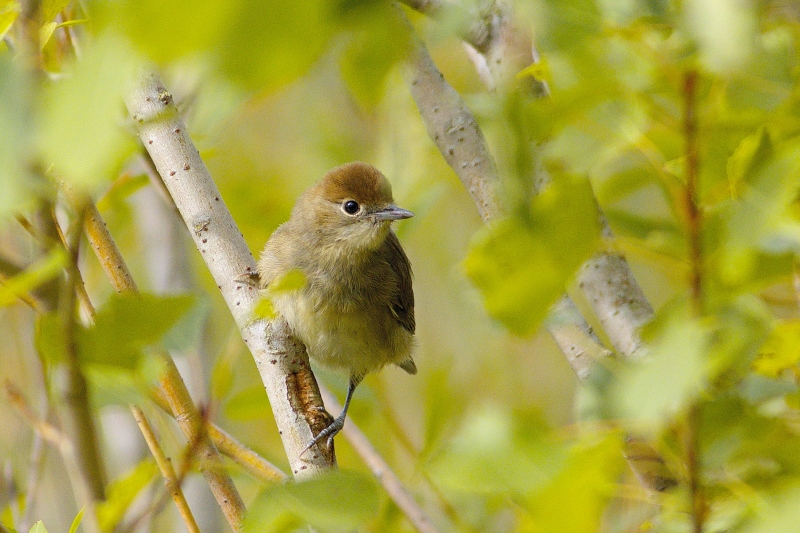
[{"x": 487, "y": 436}]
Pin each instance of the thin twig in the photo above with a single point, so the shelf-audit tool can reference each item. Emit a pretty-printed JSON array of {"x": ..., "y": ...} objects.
[
  {"x": 66, "y": 449},
  {"x": 77, "y": 414},
  {"x": 165, "y": 465},
  {"x": 249, "y": 460},
  {"x": 693, "y": 223},
  {"x": 171, "y": 382},
  {"x": 380, "y": 469}
]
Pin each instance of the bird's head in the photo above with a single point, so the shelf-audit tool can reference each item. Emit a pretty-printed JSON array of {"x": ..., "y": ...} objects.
[{"x": 352, "y": 205}]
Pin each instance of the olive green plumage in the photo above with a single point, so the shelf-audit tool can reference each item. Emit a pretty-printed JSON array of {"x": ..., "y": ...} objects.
[{"x": 356, "y": 311}]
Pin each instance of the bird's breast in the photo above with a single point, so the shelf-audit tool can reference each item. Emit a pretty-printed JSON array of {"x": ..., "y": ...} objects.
[{"x": 346, "y": 326}]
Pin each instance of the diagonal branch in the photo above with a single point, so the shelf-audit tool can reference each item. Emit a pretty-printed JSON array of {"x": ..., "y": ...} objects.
[
  {"x": 606, "y": 279},
  {"x": 281, "y": 361}
]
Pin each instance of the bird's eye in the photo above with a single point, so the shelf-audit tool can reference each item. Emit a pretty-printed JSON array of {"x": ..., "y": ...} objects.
[{"x": 351, "y": 207}]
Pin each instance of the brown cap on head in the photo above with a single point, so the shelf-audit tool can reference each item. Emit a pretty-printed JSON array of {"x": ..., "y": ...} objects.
[{"x": 358, "y": 181}]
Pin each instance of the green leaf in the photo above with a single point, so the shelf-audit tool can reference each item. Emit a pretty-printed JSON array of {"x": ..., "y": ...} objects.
[
  {"x": 575, "y": 499},
  {"x": 522, "y": 266},
  {"x": 781, "y": 350},
  {"x": 653, "y": 390},
  {"x": 222, "y": 378},
  {"x": 778, "y": 515},
  {"x": 166, "y": 31},
  {"x": 294, "y": 280},
  {"x": 499, "y": 451},
  {"x": 122, "y": 491},
  {"x": 123, "y": 327},
  {"x": 91, "y": 153},
  {"x": 126, "y": 324},
  {"x": 378, "y": 41},
  {"x": 248, "y": 404},
  {"x": 16, "y": 133},
  {"x": 270, "y": 44},
  {"x": 188, "y": 329},
  {"x": 51, "y": 8},
  {"x": 765, "y": 219},
  {"x": 265, "y": 309},
  {"x": 38, "y": 527},
  {"x": 115, "y": 385},
  {"x": 76, "y": 522},
  {"x": 336, "y": 501},
  {"x": 727, "y": 44},
  {"x": 122, "y": 189},
  {"x": 41, "y": 271},
  {"x": 9, "y": 11}
]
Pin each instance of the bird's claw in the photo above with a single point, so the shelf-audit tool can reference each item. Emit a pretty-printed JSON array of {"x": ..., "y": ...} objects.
[
  {"x": 250, "y": 278},
  {"x": 326, "y": 434}
]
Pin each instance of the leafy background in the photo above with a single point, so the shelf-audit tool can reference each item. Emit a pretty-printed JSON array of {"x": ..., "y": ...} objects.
[{"x": 494, "y": 434}]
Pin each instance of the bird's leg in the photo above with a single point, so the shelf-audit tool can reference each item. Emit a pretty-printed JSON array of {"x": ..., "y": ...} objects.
[{"x": 338, "y": 423}]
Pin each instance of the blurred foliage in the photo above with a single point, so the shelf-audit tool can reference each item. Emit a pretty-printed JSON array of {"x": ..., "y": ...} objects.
[{"x": 485, "y": 437}]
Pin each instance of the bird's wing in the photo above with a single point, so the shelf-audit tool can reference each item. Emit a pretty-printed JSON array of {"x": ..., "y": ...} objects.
[
  {"x": 403, "y": 301},
  {"x": 274, "y": 259}
]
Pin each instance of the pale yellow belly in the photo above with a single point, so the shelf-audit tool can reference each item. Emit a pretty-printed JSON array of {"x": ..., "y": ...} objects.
[{"x": 354, "y": 341}]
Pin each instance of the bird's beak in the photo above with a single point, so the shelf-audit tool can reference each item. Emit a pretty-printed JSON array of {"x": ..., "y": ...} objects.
[{"x": 392, "y": 213}]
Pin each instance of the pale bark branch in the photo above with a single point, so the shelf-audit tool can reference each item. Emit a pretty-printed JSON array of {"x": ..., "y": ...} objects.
[
  {"x": 606, "y": 279},
  {"x": 281, "y": 361},
  {"x": 455, "y": 132}
]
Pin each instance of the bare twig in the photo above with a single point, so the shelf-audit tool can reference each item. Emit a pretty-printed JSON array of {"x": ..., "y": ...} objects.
[
  {"x": 381, "y": 470},
  {"x": 107, "y": 252},
  {"x": 607, "y": 280},
  {"x": 694, "y": 229},
  {"x": 171, "y": 382},
  {"x": 253, "y": 463},
  {"x": 66, "y": 449},
  {"x": 165, "y": 465},
  {"x": 76, "y": 415}
]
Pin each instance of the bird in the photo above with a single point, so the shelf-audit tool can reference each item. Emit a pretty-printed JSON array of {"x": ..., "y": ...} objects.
[{"x": 355, "y": 311}]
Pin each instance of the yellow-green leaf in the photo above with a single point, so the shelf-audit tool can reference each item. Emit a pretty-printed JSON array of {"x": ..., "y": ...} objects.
[
  {"x": 293, "y": 280},
  {"x": 9, "y": 11},
  {"x": 522, "y": 264},
  {"x": 336, "y": 501},
  {"x": 41, "y": 271},
  {"x": 780, "y": 351},
  {"x": 82, "y": 121},
  {"x": 122, "y": 491}
]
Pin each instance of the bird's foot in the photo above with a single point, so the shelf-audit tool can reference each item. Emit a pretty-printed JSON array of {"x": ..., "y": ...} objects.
[
  {"x": 250, "y": 278},
  {"x": 327, "y": 434}
]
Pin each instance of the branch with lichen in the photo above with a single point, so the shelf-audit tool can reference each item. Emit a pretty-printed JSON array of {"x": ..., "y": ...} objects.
[
  {"x": 607, "y": 280},
  {"x": 281, "y": 360}
]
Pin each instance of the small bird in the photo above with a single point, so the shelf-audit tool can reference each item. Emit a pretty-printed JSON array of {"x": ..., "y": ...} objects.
[{"x": 356, "y": 311}]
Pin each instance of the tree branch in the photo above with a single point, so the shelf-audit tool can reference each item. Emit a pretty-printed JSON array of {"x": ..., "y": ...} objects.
[
  {"x": 606, "y": 279},
  {"x": 174, "y": 389},
  {"x": 282, "y": 363},
  {"x": 167, "y": 470}
]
